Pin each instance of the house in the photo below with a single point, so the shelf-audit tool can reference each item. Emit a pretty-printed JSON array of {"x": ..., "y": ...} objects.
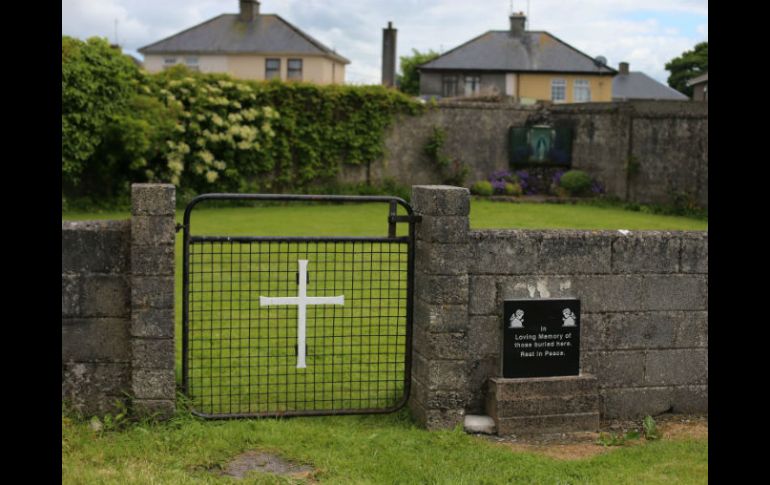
[
  {"x": 248, "y": 45},
  {"x": 700, "y": 87},
  {"x": 526, "y": 65},
  {"x": 628, "y": 86}
]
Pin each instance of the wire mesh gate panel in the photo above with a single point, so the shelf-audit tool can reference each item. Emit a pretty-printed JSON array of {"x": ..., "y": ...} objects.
[{"x": 281, "y": 326}]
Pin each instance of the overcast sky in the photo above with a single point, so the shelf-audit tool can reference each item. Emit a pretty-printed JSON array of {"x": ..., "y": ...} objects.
[{"x": 647, "y": 34}]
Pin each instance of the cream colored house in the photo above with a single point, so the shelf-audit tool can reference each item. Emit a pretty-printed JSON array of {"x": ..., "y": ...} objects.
[
  {"x": 526, "y": 65},
  {"x": 249, "y": 45}
]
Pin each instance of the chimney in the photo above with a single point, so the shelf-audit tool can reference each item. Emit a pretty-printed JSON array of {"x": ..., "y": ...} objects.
[
  {"x": 249, "y": 10},
  {"x": 389, "y": 56},
  {"x": 623, "y": 68},
  {"x": 518, "y": 21}
]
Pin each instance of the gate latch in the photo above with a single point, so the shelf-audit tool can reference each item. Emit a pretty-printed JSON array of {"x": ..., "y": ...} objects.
[{"x": 394, "y": 218}]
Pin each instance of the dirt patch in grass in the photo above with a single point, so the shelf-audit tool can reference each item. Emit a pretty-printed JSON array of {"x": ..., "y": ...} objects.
[
  {"x": 578, "y": 446},
  {"x": 262, "y": 462}
]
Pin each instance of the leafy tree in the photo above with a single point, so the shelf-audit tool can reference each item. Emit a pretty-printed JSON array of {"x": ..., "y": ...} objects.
[
  {"x": 134, "y": 144},
  {"x": 690, "y": 64},
  {"x": 409, "y": 79},
  {"x": 97, "y": 83}
]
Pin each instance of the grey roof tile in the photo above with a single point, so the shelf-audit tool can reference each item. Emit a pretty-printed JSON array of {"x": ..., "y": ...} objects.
[
  {"x": 637, "y": 85},
  {"x": 227, "y": 34},
  {"x": 533, "y": 51}
]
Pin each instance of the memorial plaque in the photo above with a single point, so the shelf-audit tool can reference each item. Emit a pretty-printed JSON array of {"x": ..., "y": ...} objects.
[{"x": 541, "y": 338}]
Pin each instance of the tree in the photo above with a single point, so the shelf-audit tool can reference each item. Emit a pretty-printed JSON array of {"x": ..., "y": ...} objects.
[
  {"x": 409, "y": 79},
  {"x": 687, "y": 66},
  {"x": 97, "y": 84}
]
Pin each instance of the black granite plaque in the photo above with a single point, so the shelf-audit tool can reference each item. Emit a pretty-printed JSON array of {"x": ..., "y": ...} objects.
[{"x": 541, "y": 338}]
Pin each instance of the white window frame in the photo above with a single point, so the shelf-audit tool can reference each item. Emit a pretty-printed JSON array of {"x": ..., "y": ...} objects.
[
  {"x": 561, "y": 84},
  {"x": 581, "y": 91},
  {"x": 278, "y": 76},
  {"x": 290, "y": 70},
  {"x": 450, "y": 85},
  {"x": 169, "y": 61},
  {"x": 192, "y": 62},
  {"x": 471, "y": 84}
]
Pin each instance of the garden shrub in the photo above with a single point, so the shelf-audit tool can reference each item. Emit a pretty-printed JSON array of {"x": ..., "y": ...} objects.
[
  {"x": 500, "y": 179},
  {"x": 482, "y": 187},
  {"x": 576, "y": 182},
  {"x": 212, "y": 133},
  {"x": 513, "y": 189},
  {"x": 97, "y": 83}
]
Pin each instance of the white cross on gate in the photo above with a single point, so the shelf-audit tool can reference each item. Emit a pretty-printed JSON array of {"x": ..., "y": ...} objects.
[{"x": 302, "y": 301}]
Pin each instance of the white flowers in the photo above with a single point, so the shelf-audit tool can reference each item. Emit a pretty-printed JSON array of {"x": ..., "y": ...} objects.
[{"x": 216, "y": 119}]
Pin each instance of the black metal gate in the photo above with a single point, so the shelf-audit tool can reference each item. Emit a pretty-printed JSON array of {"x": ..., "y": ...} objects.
[{"x": 286, "y": 326}]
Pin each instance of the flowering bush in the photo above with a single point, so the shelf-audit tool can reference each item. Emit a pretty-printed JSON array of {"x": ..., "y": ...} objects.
[
  {"x": 221, "y": 136},
  {"x": 524, "y": 181},
  {"x": 500, "y": 179},
  {"x": 209, "y": 132}
]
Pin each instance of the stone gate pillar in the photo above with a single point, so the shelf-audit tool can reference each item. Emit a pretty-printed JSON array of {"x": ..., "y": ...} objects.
[
  {"x": 153, "y": 233},
  {"x": 440, "y": 324}
]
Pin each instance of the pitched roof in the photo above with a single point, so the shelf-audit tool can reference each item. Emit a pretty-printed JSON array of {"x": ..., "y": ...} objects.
[
  {"x": 227, "y": 34},
  {"x": 498, "y": 50},
  {"x": 703, "y": 78},
  {"x": 638, "y": 85}
]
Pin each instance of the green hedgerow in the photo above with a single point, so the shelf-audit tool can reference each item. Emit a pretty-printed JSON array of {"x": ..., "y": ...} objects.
[{"x": 212, "y": 133}]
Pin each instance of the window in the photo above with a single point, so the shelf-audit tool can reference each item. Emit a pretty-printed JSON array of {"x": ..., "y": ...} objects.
[
  {"x": 192, "y": 63},
  {"x": 449, "y": 86},
  {"x": 472, "y": 85},
  {"x": 558, "y": 90},
  {"x": 272, "y": 69},
  {"x": 168, "y": 62},
  {"x": 294, "y": 69},
  {"x": 582, "y": 91}
]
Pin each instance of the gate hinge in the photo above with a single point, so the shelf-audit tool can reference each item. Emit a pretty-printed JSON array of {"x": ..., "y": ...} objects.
[{"x": 179, "y": 227}]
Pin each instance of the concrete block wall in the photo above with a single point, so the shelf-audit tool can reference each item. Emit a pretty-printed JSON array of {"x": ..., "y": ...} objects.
[
  {"x": 118, "y": 308},
  {"x": 644, "y": 299},
  {"x": 96, "y": 314}
]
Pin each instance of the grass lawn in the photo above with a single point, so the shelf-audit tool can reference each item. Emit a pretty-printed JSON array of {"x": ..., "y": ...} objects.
[
  {"x": 386, "y": 449},
  {"x": 352, "y": 449}
]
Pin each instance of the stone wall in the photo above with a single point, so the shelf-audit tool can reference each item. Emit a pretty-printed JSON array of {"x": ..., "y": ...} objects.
[
  {"x": 644, "y": 299},
  {"x": 665, "y": 143},
  {"x": 118, "y": 308}
]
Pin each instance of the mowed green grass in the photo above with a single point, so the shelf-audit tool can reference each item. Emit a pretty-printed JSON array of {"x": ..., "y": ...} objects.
[
  {"x": 373, "y": 449},
  {"x": 384, "y": 449},
  {"x": 369, "y": 219}
]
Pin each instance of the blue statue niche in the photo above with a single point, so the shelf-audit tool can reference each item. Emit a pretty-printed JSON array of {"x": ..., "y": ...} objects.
[{"x": 541, "y": 139}]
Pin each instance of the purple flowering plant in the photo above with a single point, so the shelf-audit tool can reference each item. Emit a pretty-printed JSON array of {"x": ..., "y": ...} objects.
[
  {"x": 524, "y": 181},
  {"x": 499, "y": 179}
]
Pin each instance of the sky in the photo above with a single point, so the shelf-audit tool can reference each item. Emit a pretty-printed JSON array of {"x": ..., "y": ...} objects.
[{"x": 646, "y": 34}]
